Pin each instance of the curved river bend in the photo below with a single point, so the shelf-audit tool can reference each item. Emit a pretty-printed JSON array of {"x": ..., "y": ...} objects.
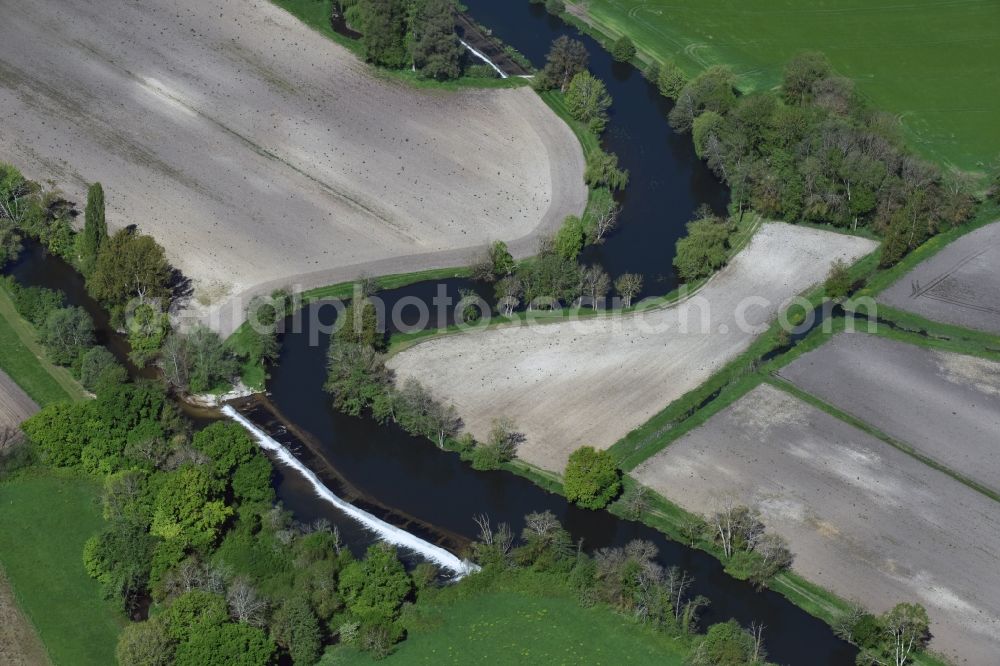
[
  {"x": 433, "y": 492},
  {"x": 411, "y": 484}
]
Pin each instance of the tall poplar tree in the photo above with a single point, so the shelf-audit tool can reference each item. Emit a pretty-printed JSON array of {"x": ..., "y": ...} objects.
[{"x": 95, "y": 229}]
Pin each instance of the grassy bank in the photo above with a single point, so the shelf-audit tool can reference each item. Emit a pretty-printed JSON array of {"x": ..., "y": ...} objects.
[
  {"x": 938, "y": 86},
  {"x": 514, "y": 622},
  {"x": 25, "y": 361},
  {"x": 45, "y": 518}
]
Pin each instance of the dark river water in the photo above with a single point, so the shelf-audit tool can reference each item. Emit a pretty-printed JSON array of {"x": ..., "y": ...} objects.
[
  {"x": 667, "y": 181},
  {"x": 407, "y": 480}
]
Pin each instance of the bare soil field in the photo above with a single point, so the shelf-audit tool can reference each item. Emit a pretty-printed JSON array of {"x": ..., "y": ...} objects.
[
  {"x": 591, "y": 381},
  {"x": 959, "y": 285},
  {"x": 262, "y": 154},
  {"x": 15, "y": 405},
  {"x": 19, "y": 643},
  {"x": 863, "y": 519},
  {"x": 944, "y": 405}
]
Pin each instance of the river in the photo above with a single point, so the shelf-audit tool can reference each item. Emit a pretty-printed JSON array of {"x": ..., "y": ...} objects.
[{"x": 408, "y": 481}]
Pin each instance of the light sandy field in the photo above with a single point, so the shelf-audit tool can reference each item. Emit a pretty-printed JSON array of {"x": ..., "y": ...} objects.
[
  {"x": 863, "y": 519},
  {"x": 258, "y": 152},
  {"x": 590, "y": 382},
  {"x": 958, "y": 285},
  {"x": 15, "y": 405},
  {"x": 944, "y": 405}
]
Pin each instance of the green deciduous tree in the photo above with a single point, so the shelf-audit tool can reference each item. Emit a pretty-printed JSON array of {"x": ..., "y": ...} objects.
[
  {"x": 569, "y": 239},
  {"x": 592, "y": 479},
  {"x": 130, "y": 266},
  {"x": 436, "y": 51},
  {"x": 99, "y": 368},
  {"x": 147, "y": 327},
  {"x": 120, "y": 559},
  {"x": 670, "y": 79},
  {"x": 227, "y": 444},
  {"x": 602, "y": 170},
  {"x": 623, "y": 49},
  {"x": 197, "y": 362},
  {"x": 494, "y": 263},
  {"x": 727, "y": 644},
  {"x": 567, "y": 58},
  {"x": 384, "y": 32},
  {"x": 61, "y": 431},
  {"x": 712, "y": 90},
  {"x": 802, "y": 73},
  {"x": 295, "y": 627},
  {"x": 191, "y": 610},
  {"x": 226, "y": 645},
  {"x": 357, "y": 376},
  {"x": 251, "y": 481},
  {"x": 904, "y": 631},
  {"x": 188, "y": 508},
  {"x": 67, "y": 334},
  {"x": 838, "y": 282},
  {"x": 374, "y": 588},
  {"x": 588, "y": 101},
  {"x": 704, "y": 250},
  {"x": 144, "y": 644}
]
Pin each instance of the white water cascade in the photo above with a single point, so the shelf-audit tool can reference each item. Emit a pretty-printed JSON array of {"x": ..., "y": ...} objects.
[
  {"x": 385, "y": 531},
  {"x": 482, "y": 56}
]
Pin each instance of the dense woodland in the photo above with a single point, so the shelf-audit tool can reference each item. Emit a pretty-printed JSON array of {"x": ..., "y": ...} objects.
[
  {"x": 417, "y": 34},
  {"x": 814, "y": 152}
]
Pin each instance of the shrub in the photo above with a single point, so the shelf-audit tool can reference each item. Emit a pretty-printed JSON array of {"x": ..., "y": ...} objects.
[
  {"x": 670, "y": 79},
  {"x": 602, "y": 169},
  {"x": 499, "y": 448},
  {"x": 569, "y": 239},
  {"x": 704, "y": 250},
  {"x": 838, "y": 283},
  {"x": 623, "y": 49},
  {"x": 591, "y": 479},
  {"x": 35, "y": 304}
]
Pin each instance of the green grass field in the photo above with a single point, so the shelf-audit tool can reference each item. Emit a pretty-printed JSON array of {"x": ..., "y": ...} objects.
[
  {"x": 928, "y": 61},
  {"x": 45, "y": 518},
  {"x": 511, "y": 628},
  {"x": 24, "y": 360}
]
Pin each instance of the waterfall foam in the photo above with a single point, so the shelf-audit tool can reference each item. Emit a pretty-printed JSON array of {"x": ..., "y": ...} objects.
[
  {"x": 385, "y": 531},
  {"x": 482, "y": 56}
]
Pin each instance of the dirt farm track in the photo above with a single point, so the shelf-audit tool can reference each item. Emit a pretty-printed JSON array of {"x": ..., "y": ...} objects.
[{"x": 260, "y": 153}]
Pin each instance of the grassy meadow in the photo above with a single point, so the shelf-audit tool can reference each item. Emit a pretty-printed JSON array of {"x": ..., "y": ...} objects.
[
  {"x": 927, "y": 61},
  {"x": 45, "y": 518},
  {"x": 506, "y": 626}
]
